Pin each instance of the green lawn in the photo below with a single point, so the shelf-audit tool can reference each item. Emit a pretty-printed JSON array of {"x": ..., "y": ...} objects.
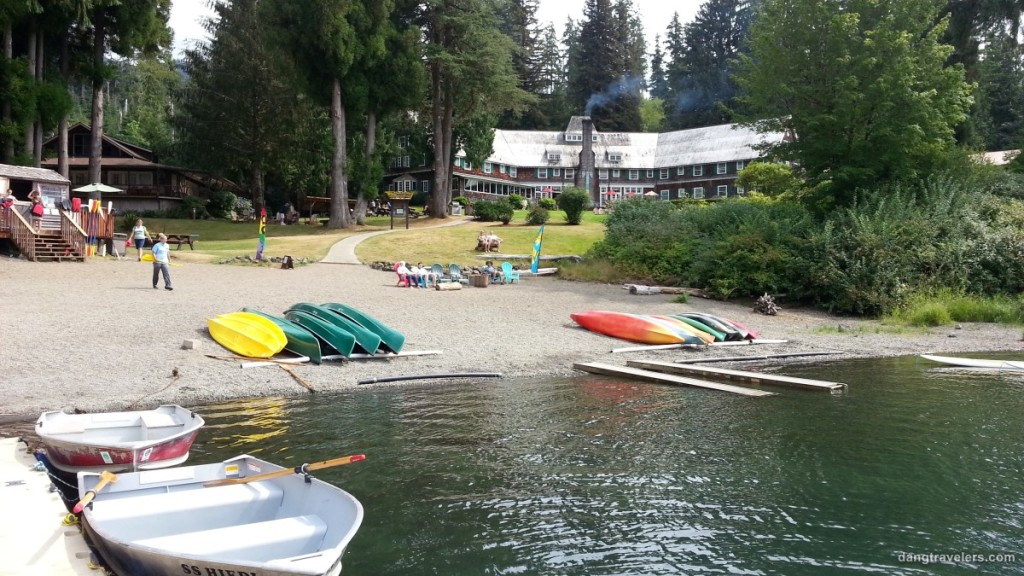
[{"x": 424, "y": 242}]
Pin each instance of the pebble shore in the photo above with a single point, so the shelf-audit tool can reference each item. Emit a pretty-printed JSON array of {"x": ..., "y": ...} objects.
[{"x": 96, "y": 336}]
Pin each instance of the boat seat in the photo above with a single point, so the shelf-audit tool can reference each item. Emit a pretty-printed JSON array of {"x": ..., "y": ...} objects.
[
  {"x": 187, "y": 510},
  {"x": 160, "y": 421},
  {"x": 254, "y": 542}
]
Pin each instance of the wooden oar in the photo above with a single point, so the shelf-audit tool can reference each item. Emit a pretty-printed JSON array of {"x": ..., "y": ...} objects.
[
  {"x": 105, "y": 478},
  {"x": 297, "y": 470}
]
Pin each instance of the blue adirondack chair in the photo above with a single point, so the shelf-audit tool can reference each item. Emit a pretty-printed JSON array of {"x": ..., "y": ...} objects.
[
  {"x": 455, "y": 272},
  {"x": 438, "y": 271},
  {"x": 509, "y": 274}
]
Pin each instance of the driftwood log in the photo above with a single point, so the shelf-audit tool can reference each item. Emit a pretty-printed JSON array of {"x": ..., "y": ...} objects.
[
  {"x": 642, "y": 290},
  {"x": 448, "y": 286}
]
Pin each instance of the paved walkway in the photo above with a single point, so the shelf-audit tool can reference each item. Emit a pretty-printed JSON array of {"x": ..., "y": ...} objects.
[{"x": 344, "y": 252}]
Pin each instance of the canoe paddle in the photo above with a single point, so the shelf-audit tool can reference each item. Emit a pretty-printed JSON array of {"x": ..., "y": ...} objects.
[
  {"x": 105, "y": 478},
  {"x": 278, "y": 473}
]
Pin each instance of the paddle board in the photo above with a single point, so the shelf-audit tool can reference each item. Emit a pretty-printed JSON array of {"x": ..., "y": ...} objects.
[{"x": 976, "y": 362}]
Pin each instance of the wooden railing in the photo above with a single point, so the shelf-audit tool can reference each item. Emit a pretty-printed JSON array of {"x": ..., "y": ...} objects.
[
  {"x": 72, "y": 234},
  {"x": 22, "y": 233}
]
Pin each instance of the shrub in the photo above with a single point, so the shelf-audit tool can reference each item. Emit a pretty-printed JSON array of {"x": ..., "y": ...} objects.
[
  {"x": 194, "y": 205},
  {"x": 516, "y": 201},
  {"x": 573, "y": 201},
  {"x": 486, "y": 211},
  {"x": 537, "y": 216},
  {"x": 128, "y": 220},
  {"x": 461, "y": 200},
  {"x": 221, "y": 204},
  {"x": 547, "y": 203}
]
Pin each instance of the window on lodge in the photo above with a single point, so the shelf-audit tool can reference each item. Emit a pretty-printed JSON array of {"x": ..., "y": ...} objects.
[
  {"x": 513, "y": 171},
  {"x": 663, "y": 174},
  {"x": 722, "y": 168},
  {"x": 634, "y": 174},
  {"x": 722, "y": 191},
  {"x": 681, "y": 193},
  {"x": 698, "y": 170},
  {"x": 698, "y": 192},
  {"x": 602, "y": 174},
  {"x": 542, "y": 172}
]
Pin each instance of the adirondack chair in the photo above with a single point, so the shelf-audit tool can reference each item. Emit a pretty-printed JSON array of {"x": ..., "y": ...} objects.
[
  {"x": 509, "y": 274},
  {"x": 455, "y": 273},
  {"x": 403, "y": 280},
  {"x": 440, "y": 274}
]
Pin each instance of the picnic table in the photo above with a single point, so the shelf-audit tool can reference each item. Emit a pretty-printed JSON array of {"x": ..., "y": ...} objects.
[{"x": 177, "y": 240}]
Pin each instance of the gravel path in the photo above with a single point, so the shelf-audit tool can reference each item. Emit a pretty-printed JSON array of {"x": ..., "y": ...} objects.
[{"x": 97, "y": 336}]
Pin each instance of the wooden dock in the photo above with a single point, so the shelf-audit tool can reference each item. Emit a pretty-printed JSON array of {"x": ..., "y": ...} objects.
[
  {"x": 33, "y": 541},
  {"x": 662, "y": 378},
  {"x": 740, "y": 375}
]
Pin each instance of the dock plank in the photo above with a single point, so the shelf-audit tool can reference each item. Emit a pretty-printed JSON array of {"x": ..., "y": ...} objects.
[
  {"x": 662, "y": 378},
  {"x": 35, "y": 542},
  {"x": 739, "y": 375}
]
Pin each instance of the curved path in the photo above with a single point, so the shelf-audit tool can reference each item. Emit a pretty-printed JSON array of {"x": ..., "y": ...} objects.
[{"x": 344, "y": 252}]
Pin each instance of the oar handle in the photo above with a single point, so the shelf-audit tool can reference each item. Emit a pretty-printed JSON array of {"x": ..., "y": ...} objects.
[
  {"x": 303, "y": 469},
  {"x": 105, "y": 478}
]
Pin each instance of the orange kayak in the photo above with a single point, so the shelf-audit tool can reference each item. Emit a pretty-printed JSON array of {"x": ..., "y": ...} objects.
[{"x": 628, "y": 327}]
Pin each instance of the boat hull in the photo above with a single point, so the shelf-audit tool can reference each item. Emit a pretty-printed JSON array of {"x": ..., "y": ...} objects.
[
  {"x": 366, "y": 339},
  {"x": 118, "y": 441},
  {"x": 627, "y": 327},
  {"x": 341, "y": 341},
  {"x": 976, "y": 362},
  {"x": 390, "y": 339},
  {"x": 247, "y": 334},
  {"x": 299, "y": 340},
  {"x": 164, "y": 523}
]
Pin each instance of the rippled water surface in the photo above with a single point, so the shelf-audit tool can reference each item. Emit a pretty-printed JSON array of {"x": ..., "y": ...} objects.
[{"x": 597, "y": 476}]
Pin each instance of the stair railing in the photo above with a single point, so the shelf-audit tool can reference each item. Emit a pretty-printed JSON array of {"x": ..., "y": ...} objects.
[
  {"x": 23, "y": 234},
  {"x": 72, "y": 234}
]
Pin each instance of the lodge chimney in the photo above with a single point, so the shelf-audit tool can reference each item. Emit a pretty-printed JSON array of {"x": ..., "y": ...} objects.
[{"x": 586, "y": 178}]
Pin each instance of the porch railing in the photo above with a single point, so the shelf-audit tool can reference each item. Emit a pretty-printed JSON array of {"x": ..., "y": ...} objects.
[
  {"x": 22, "y": 233},
  {"x": 72, "y": 234}
]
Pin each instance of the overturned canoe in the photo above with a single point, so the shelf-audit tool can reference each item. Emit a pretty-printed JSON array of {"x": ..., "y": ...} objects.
[
  {"x": 300, "y": 340},
  {"x": 392, "y": 340},
  {"x": 366, "y": 339},
  {"x": 338, "y": 340},
  {"x": 247, "y": 334}
]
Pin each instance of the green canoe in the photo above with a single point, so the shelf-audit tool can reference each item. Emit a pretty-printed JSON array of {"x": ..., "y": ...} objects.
[
  {"x": 718, "y": 334},
  {"x": 390, "y": 338},
  {"x": 341, "y": 341},
  {"x": 368, "y": 340},
  {"x": 300, "y": 340}
]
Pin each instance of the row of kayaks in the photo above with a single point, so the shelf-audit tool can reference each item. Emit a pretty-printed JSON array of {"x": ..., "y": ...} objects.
[
  {"x": 309, "y": 330},
  {"x": 683, "y": 328}
]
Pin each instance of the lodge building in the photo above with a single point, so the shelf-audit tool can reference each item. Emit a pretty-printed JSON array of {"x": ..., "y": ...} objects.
[{"x": 700, "y": 163}]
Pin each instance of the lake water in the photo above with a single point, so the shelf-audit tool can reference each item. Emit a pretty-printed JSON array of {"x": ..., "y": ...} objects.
[{"x": 598, "y": 476}]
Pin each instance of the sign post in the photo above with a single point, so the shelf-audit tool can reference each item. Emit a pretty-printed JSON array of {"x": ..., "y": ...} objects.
[{"x": 399, "y": 205}]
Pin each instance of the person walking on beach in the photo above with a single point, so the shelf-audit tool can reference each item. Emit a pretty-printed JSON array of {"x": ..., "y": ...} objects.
[
  {"x": 161, "y": 261},
  {"x": 139, "y": 235}
]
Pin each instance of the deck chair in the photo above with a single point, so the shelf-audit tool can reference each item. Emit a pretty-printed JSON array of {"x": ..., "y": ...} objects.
[
  {"x": 438, "y": 271},
  {"x": 455, "y": 273},
  {"x": 509, "y": 274},
  {"x": 403, "y": 280}
]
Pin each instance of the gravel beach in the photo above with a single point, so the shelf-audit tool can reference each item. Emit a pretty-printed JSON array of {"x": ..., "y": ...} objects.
[{"x": 97, "y": 336}]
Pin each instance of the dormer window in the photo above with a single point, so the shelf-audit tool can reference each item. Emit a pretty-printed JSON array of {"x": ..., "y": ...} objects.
[
  {"x": 615, "y": 157},
  {"x": 574, "y": 138},
  {"x": 554, "y": 156}
]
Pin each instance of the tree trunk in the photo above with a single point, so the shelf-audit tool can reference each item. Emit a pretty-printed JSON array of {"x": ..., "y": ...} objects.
[
  {"x": 438, "y": 196},
  {"x": 30, "y": 124},
  {"x": 339, "y": 183},
  {"x": 371, "y": 146},
  {"x": 5, "y": 106},
  {"x": 449, "y": 124},
  {"x": 37, "y": 140},
  {"x": 62, "y": 127},
  {"x": 96, "y": 140},
  {"x": 257, "y": 185}
]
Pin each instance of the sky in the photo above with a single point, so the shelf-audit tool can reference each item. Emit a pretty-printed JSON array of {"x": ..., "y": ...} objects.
[{"x": 655, "y": 14}]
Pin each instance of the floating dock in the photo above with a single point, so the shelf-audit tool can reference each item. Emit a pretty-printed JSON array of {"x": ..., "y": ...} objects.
[
  {"x": 740, "y": 375},
  {"x": 662, "y": 378},
  {"x": 33, "y": 539}
]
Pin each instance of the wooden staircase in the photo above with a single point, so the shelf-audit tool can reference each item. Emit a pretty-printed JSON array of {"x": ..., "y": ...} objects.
[{"x": 53, "y": 248}]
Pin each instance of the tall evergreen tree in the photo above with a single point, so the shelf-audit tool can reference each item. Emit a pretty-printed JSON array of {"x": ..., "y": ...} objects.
[
  {"x": 518, "y": 21},
  {"x": 610, "y": 80},
  {"x": 658, "y": 82},
  {"x": 471, "y": 75},
  {"x": 703, "y": 89},
  {"x": 999, "y": 113}
]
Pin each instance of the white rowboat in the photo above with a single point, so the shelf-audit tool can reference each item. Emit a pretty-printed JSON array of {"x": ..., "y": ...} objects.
[{"x": 166, "y": 522}]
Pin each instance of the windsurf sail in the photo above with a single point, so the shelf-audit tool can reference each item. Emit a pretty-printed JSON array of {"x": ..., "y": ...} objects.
[{"x": 535, "y": 262}]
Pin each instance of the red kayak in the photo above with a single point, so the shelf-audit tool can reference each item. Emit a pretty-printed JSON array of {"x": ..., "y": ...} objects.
[{"x": 628, "y": 327}]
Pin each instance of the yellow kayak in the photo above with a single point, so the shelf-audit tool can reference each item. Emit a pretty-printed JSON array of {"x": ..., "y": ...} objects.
[{"x": 247, "y": 334}]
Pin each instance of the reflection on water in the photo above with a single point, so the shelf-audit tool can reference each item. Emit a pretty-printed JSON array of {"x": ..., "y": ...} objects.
[{"x": 593, "y": 475}]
